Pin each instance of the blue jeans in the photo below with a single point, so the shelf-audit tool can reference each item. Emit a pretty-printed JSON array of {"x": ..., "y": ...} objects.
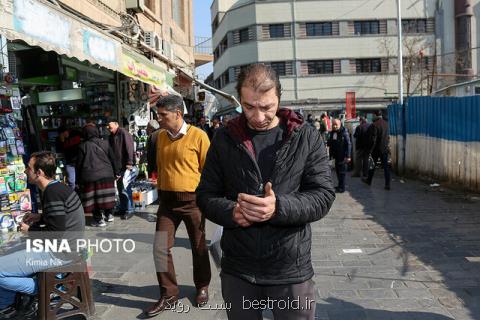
[
  {"x": 124, "y": 186},
  {"x": 70, "y": 176},
  {"x": 17, "y": 269}
]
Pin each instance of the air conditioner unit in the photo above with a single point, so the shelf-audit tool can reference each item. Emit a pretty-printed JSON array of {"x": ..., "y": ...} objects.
[
  {"x": 153, "y": 40},
  {"x": 135, "y": 5},
  {"x": 167, "y": 49}
]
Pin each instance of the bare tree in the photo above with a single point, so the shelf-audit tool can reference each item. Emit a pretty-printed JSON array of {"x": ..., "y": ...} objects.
[{"x": 417, "y": 63}]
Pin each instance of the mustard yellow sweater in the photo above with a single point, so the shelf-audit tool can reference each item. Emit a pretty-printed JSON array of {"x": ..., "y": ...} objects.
[{"x": 180, "y": 162}]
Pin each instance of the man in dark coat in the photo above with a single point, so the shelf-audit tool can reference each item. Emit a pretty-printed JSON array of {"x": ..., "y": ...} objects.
[
  {"x": 340, "y": 151},
  {"x": 379, "y": 138},
  {"x": 362, "y": 150},
  {"x": 122, "y": 144},
  {"x": 278, "y": 183}
]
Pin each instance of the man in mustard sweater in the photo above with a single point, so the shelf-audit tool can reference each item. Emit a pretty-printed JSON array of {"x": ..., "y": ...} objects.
[{"x": 181, "y": 153}]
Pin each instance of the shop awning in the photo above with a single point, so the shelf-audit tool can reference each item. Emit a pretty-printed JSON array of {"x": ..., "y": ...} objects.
[
  {"x": 139, "y": 67},
  {"x": 40, "y": 23}
]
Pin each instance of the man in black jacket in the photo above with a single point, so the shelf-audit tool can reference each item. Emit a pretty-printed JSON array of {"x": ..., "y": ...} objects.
[
  {"x": 265, "y": 200},
  {"x": 340, "y": 151},
  {"x": 121, "y": 142},
  {"x": 361, "y": 149},
  {"x": 378, "y": 145}
]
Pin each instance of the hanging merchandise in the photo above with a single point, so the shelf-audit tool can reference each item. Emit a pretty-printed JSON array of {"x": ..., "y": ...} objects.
[{"x": 14, "y": 195}]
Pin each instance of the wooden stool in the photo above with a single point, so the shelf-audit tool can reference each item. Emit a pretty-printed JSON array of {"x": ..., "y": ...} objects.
[{"x": 75, "y": 292}]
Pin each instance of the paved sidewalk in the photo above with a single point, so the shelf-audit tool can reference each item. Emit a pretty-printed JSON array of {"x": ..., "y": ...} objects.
[{"x": 409, "y": 253}]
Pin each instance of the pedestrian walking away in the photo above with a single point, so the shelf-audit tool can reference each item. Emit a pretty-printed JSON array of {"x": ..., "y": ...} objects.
[
  {"x": 265, "y": 200},
  {"x": 181, "y": 153},
  {"x": 379, "y": 139},
  {"x": 96, "y": 169},
  {"x": 362, "y": 151}
]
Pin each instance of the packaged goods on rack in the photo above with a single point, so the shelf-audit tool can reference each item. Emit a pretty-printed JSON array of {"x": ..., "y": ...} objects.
[{"x": 14, "y": 195}]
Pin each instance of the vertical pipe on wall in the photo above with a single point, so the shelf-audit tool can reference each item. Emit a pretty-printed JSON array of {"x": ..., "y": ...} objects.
[
  {"x": 463, "y": 38},
  {"x": 294, "y": 34}
]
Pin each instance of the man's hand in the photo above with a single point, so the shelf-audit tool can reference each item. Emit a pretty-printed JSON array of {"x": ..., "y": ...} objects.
[
  {"x": 238, "y": 217},
  {"x": 256, "y": 209},
  {"x": 348, "y": 160},
  {"x": 24, "y": 227}
]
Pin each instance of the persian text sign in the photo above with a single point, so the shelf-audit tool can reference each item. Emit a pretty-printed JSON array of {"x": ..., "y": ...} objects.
[
  {"x": 100, "y": 48},
  {"x": 40, "y": 22},
  {"x": 147, "y": 72}
]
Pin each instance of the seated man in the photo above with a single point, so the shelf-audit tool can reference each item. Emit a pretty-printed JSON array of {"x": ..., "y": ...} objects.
[{"x": 61, "y": 211}]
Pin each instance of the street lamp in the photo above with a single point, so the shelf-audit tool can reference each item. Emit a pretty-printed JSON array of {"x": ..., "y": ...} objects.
[{"x": 400, "y": 55}]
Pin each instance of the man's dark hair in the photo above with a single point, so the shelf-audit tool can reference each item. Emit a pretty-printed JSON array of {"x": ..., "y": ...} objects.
[
  {"x": 171, "y": 103},
  {"x": 46, "y": 161},
  {"x": 62, "y": 129},
  {"x": 111, "y": 119},
  {"x": 260, "y": 78}
]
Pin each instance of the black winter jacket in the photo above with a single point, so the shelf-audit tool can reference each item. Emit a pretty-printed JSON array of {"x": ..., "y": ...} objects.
[
  {"x": 379, "y": 138},
  {"x": 123, "y": 148},
  {"x": 95, "y": 160},
  {"x": 276, "y": 251},
  {"x": 341, "y": 147}
]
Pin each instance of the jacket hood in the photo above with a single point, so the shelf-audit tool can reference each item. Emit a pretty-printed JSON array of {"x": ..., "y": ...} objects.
[
  {"x": 90, "y": 132},
  {"x": 237, "y": 127}
]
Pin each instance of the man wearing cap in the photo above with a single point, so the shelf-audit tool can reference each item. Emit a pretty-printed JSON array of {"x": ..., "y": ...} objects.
[{"x": 123, "y": 148}]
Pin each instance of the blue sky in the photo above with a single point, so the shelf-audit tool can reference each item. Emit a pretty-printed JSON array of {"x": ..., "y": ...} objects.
[{"x": 202, "y": 28}]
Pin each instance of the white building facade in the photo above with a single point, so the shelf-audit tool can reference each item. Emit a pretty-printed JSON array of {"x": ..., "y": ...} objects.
[{"x": 323, "y": 49}]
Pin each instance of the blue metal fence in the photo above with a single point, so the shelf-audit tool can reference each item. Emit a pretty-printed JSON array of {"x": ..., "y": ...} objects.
[
  {"x": 438, "y": 137},
  {"x": 449, "y": 118}
]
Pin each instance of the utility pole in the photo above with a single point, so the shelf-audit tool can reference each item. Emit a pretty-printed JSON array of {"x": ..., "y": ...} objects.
[{"x": 400, "y": 55}]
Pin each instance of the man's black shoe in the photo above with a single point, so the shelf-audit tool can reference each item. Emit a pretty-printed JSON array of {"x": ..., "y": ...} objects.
[
  {"x": 366, "y": 181},
  {"x": 27, "y": 307},
  {"x": 202, "y": 297},
  {"x": 387, "y": 187},
  {"x": 339, "y": 190},
  {"x": 165, "y": 303},
  {"x": 126, "y": 215},
  {"x": 8, "y": 313}
]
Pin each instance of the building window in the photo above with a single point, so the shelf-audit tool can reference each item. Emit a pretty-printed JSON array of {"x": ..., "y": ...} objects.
[
  {"x": 367, "y": 27},
  {"x": 215, "y": 24},
  {"x": 319, "y": 29},
  {"x": 277, "y": 30},
  {"x": 368, "y": 65},
  {"x": 477, "y": 90},
  {"x": 243, "y": 35},
  {"x": 279, "y": 68},
  {"x": 223, "y": 45},
  {"x": 414, "y": 25},
  {"x": 320, "y": 66},
  {"x": 178, "y": 9},
  {"x": 224, "y": 78},
  {"x": 150, "y": 5}
]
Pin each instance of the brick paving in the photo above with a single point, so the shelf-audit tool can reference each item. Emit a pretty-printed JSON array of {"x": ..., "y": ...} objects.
[{"x": 419, "y": 259}]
